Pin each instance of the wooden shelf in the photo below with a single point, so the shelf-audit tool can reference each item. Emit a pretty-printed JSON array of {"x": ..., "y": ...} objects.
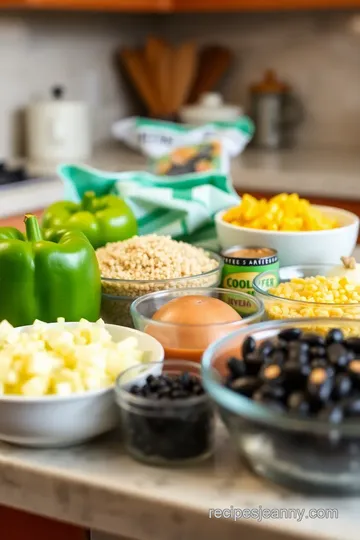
[
  {"x": 173, "y": 6},
  {"x": 261, "y": 5},
  {"x": 134, "y": 6}
]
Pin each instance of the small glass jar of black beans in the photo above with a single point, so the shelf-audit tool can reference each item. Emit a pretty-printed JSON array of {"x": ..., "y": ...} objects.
[{"x": 166, "y": 416}]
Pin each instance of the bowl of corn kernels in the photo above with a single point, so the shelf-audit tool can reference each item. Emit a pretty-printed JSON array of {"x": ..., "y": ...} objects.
[
  {"x": 300, "y": 232},
  {"x": 309, "y": 291}
]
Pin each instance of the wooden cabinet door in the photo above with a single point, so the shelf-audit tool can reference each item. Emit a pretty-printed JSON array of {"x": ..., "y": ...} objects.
[
  {"x": 102, "y": 5},
  {"x": 258, "y": 5},
  {"x": 13, "y": 3}
]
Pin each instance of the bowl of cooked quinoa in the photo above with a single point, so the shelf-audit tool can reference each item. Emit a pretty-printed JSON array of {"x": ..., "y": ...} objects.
[
  {"x": 309, "y": 291},
  {"x": 150, "y": 263}
]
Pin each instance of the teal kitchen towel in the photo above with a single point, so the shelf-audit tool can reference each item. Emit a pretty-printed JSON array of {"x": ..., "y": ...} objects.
[{"x": 182, "y": 207}]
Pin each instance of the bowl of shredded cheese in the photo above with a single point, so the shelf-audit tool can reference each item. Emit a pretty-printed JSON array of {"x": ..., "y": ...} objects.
[
  {"x": 57, "y": 380},
  {"x": 309, "y": 291},
  {"x": 300, "y": 232}
]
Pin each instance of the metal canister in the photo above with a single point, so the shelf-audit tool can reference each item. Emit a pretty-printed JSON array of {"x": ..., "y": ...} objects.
[
  {"x": 275, "y": 111},
  {"x": 242, "y": 264}
]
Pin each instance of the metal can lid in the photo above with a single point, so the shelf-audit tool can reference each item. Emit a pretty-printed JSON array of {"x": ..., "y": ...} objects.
[{"x": 249, "y": 252}]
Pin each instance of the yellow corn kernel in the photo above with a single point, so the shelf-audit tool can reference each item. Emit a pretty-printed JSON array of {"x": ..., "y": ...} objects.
[
  {"x": 316, "y": 290},
  {"x": 283, "y": 212}
]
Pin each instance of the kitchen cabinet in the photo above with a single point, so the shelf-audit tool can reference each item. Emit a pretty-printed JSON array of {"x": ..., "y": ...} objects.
[
  {"x": 172, "y": 6},
  {"x": 261, "y": 5},
  {"x": 103, "y": 5},
  {"x": 13, "y": 3},
  {"x": 18, "y": 525}
]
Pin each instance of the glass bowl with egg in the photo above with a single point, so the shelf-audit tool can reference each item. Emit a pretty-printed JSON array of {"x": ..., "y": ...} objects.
[
  {"x": 290, "y": 401},
  {"x": 142, "y": 265},
  {"x": 187, "y": 321},
  {"x": 312, "y": 291}
]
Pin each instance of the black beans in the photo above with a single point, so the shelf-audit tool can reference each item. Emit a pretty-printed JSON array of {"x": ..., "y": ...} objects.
[
  {"x": 271, "y": 374},
  {"x": 290, "y": 334},
  {"x": 270, "y": 391},
  {"x": 298, "y": 351},
  {"x": 342, "y": 386},
  {"x": 338, "y": 355},
  {"x": 305, "y": 374},
  {"x": 295, "y": 374},
  {"x": 352, "y": 406},
  {"x": 248, "y": 346},
  {"x": 164, "y": 432},
  {"x": 314, "y": 340},
  {"x": 334, "y": 336},
  {"x": 277, "y": 357},
  {"x": 318, "y": 362},
  {"x": 353, "y": 344},
  {"x": 317, "y": 352},
  {"x": 154, "y": 387},
  {"x": 237, "y": 367},
  {"x": 353, "y": 369},
  {"x": 281, "y": 345},
  {"x": 319, "y": 384},
  {"x": 246, "y": 385},
  {"x": 253, "y": 363},
  {"x": 266, "y": 348},
  {"x": 298, "y": 403}
]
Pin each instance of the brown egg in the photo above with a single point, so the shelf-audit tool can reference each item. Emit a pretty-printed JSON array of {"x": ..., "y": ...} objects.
[{"x": 193, "y": 323}]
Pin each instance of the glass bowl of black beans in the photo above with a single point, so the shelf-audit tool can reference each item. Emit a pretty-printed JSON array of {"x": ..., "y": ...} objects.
[
  {"x": 168, "y": 419},
  {"x": 290, "y": 399}
]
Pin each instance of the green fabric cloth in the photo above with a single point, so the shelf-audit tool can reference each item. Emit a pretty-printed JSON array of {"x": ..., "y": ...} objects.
[{"x": 183, "y": 208}]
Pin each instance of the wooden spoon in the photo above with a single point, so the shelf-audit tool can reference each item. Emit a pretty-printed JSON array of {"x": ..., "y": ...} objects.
[
  {"x": 184, "y": 65},
  {"x": 136, "y": 66},
  {"x": 214, "y": 62}
]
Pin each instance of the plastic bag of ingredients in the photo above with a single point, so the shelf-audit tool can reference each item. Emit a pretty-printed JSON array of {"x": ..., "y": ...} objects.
[
  {"x": 197, "y": 158},
  {"x": 157, "y": 139},
  {"x": 182, "y": 207}
]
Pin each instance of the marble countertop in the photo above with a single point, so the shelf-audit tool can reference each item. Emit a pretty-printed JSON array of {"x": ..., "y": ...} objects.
[
  {"x": 97, "y": 486},
  {"x": 323, "y": 173}
]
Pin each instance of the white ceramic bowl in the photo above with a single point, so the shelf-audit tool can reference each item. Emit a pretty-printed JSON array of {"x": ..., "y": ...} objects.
[
  {"x": 325, "y": 247},
  {"x": 60, "y": 421}
]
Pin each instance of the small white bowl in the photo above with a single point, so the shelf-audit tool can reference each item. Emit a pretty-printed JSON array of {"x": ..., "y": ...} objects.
[
  {"x": 325, "y": 247},
  {"x": 60, "y": 421}
]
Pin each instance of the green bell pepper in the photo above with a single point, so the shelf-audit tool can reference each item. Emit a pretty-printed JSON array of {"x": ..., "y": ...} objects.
[
  {"x": 6, "y": 233},
  {"x": 102, "y": 219},
  {"x": 45, "y": 280}
]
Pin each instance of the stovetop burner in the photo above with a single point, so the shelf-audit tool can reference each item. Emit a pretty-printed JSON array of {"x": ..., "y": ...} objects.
[{"x": 11, "y": 175}]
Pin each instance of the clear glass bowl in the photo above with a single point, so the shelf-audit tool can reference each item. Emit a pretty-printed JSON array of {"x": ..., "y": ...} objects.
[
  {"x": 164, "y": 431},
  {"x": 189, "y": 341},
  {"x": 301, "y": 454},
  {"x": 118, "y": 294},
  {"x": 281, "y": 308}
]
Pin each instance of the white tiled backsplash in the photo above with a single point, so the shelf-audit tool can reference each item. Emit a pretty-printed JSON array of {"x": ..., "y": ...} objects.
[
  {"x": 38, "y": 50},
  {"x": 317, "y": 53}
]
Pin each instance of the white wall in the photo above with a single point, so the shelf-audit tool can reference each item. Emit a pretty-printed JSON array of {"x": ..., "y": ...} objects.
[
  {"x": 317, "y": 53},
  {"x": 76, "y": 50}
]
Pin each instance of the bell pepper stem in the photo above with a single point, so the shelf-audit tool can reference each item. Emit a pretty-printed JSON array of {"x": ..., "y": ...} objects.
[
  {"x": 88, "y": 200},
  {"x": 33, "y": 231}
]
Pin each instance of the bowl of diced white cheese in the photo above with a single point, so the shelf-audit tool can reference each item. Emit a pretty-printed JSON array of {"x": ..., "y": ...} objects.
[{"x": 57, "y": 380}]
